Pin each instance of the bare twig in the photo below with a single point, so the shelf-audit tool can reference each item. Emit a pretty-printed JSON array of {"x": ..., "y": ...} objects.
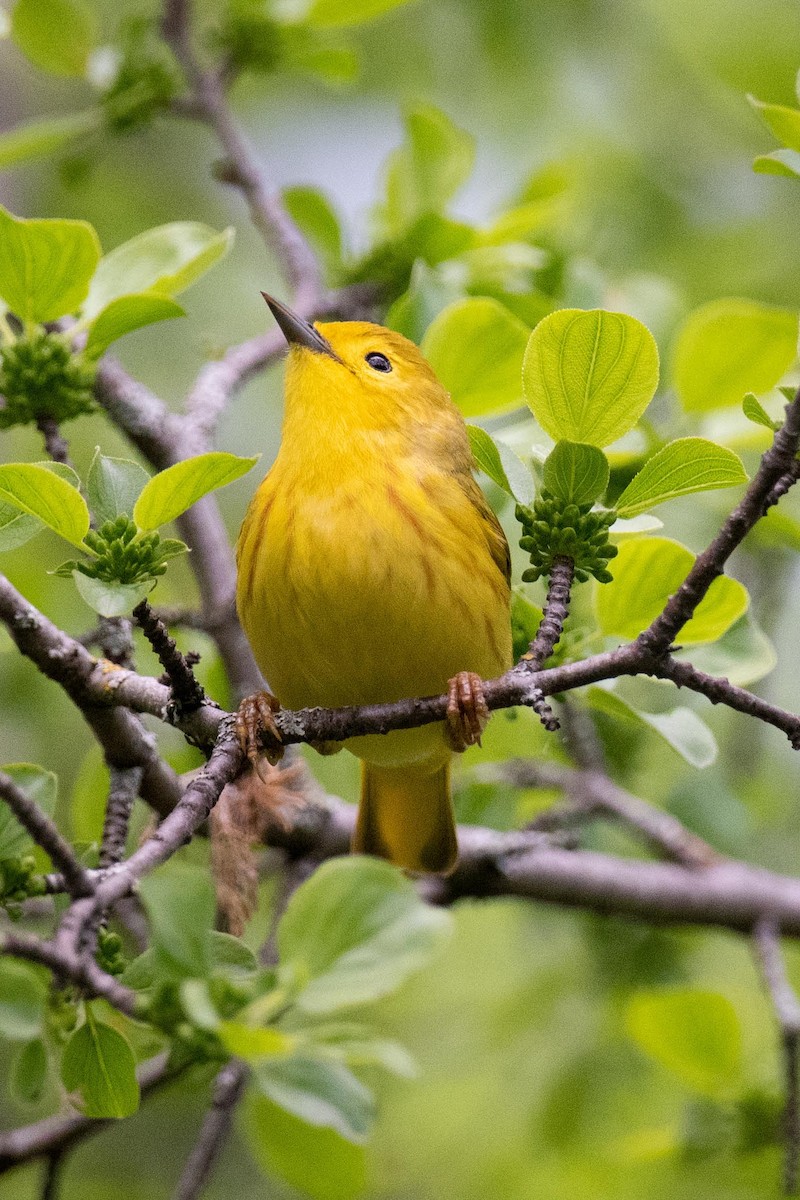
[
  {"x": 125, "y": 784},
  {"x": 186, "y": 691},
  {"x": 551, "y": 627},
  {"x": 55, "y": 443},
  {"x": 787, "y": 1010},
  {"x": 228, "y": 1089},
  {"x": 45, "y": 833}
]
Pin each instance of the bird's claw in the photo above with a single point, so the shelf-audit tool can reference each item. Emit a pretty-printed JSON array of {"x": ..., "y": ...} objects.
[
  {"x": 257, "y": 731},
  {"x": 467, "y": 710}
]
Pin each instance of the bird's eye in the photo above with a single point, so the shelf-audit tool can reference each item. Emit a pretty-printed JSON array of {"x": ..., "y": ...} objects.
[{"x": 379, "y": 362}]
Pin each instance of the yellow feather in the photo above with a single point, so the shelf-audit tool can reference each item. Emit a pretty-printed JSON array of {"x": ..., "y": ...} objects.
[{"x": 370, "y": 567}]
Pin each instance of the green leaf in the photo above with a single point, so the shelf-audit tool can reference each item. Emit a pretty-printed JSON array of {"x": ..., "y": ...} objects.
[
  {"x": 29, "y": 1072},
  {"x": 576, "y": 472},
  {"x": 38, "y": 785},
  {"x": 430, "y": 289},
  {"x": 687, "y": 465},
  {"x": 357, "y": 1046},
  {"x": 166, "y": 259},
  {"x": 43, "y": 494},
  {"x": 315, "y": 215},
  {"x": 111, "y": 599},
  {"x": 428, "y": 169},
  {"x": 316, "y": 1161},
  {"x": 16, "y": 528},
  {"x": 729, "y": 347},
  {"x": 22, "y": 996},
  {"x": 255, "y": 1043},
  {"x": 779, "y": 162},
  {"x": 475, "y": 346},
  {"x": 56, "y": 35},
  {"x": 784, "y": 122},
  {"x": 498, "y": 461},
  {"x": 681, "y": 728},
  {"x": 113, "y": 486},
  {"x": 181, "y": 907},
  {"x": 326, "y": 14},
  {"x": 646, "y": 573},
  {"x": 694, "y": 1034},
  {"x": 231, "y": 953},
  {"x": 98, "y": 1063},
  {"x": 319, "y": 1092},
  {"x": 45, "y": 266},
  {"x": 754, "y": 410},
  {"x": 353, "y": 932},
  {"x": 38, "y": 139},
  {"x": 589, "y": 375},
  {"x": 743, "y": 655},
  {"x": 127, "y": 313},
  {"x": 171, "y": 492}
]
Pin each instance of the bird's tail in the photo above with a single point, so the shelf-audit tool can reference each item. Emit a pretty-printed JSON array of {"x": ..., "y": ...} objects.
[{"x": 406, "y": 815}]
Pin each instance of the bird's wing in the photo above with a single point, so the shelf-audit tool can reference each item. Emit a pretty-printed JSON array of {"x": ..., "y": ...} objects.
[{"x": 493, "y": 530}]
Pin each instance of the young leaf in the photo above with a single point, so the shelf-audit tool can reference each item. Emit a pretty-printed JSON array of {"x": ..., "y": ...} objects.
[
  {"x": 754, "y": 410},
  {"x": 29, "y": 1072},
  {"x": 647, "y": 571},
  {"x": 171, "y": 492},
  {"x": 576, "y": 472},
  {"x": 589, "y": 376},
  {"x": 729, "y": 347},
  {"x": 22, "y": 996},
  {"x": 56, "y": 35},
  {"x": 475, "y": 346},
  {"x": 111, "y": 599},
  {"x": 430, "y": 289},
  {"x": 165, "y": 260},
  {"x": 319, "y": 1092},
  {"x": 113, "y": 486},
  {"x": 98, "y": 1063},
  {"x": 784, "y": 122},
  {"x": 45, "y": 266},
  {"x": 694, "y": 1034},
  {"x": 779, "y": 162},
  {"x": 743, "y": 655},
  {"x": 180, "y": 906},
  {"x": 43, "y": 494},
  {"x": 231, "y": 953},
  {"x": 37, "y": 139},
  {"x": 687, "y": 465},
  {"x": 327, "y": 14},
  {"x": 498, "y": 461},
  {"x": 357, "y": 1046},
  {"x": 16, "y": 528},
  {"x": 127, "y": 313},
  {"x": 314, "y": 1160},
  {"x": 353, "y": 932},
  {"x": 425, "y": 172},
  {"x": 39, "y": 785},
  {"x": 681, "y": 728},
  {"x": 255, "y": 1043},
  {"x": 313, "y": 212}
]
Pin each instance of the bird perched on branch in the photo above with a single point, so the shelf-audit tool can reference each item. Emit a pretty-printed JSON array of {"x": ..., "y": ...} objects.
[{"x": 372, "y": 569}]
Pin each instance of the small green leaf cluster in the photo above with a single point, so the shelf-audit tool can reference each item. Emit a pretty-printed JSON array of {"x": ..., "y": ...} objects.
[
  {"x": 109, "y": 953},
  {"x": 41, "y": 376},
  {"x": 145, "y": 82},
  {"x": 553, "y": 529},
  {"x": 18, "y": 880},
  {"x": 124, "y": 554},
  {"x": 785, "y": 124}
]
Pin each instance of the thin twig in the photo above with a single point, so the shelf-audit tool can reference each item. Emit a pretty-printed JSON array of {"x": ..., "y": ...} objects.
[
  {"x": 766, "y": 936},
  {"x": 186, "y": 691},
  {"x": 46, "y": 834},
  {"x": 122, "y": 793},
  {"x": 54, "y": 442},
  {"x": 551, "y": 627},
  {"x": 228, "y": 1088}
]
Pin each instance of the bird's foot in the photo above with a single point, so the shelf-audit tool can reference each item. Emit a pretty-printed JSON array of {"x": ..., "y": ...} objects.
[
  {"x": 257, "y": 732},
  {"x": 467, "y": 711}
]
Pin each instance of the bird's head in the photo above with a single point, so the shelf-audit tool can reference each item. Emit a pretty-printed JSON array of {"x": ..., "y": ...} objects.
[{"x": 362, "y": 373}]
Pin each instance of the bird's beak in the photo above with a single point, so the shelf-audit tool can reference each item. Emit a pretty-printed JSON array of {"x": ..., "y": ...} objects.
[{"x": 297, "y": 331}]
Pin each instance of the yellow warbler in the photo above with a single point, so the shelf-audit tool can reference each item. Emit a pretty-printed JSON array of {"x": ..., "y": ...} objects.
[{"x": 372, "y": 569}]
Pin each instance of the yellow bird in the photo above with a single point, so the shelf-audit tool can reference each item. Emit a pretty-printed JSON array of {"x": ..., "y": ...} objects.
[{"x": 372, "y": 569}]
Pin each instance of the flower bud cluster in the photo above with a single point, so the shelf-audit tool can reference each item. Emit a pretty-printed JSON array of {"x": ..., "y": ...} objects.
[
  {"x": 40, "y": 376},
  {"x": 552, "y": 527},
  {"x": 124, "y": 555}
]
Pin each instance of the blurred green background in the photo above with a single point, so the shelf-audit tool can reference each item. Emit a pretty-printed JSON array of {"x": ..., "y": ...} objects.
[{"x": 530, "y": 1086}]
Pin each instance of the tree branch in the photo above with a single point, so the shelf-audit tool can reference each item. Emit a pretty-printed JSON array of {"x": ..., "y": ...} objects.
[
  {"x": 787, "y": 1010},
  {"x": 45, "y": 833},
  {"x": 228, "y": 1088}
]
